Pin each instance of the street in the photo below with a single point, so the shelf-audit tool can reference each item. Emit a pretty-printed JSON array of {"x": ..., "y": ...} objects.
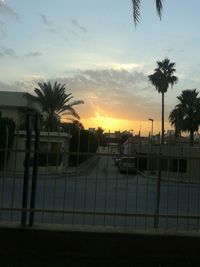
[{"x": 110, "y": 198}]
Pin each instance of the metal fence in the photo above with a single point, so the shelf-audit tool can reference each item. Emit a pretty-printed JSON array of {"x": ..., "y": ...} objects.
[{"x": 42, "y": 182}]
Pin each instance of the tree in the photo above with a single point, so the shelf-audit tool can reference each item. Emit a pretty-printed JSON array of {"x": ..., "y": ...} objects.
[
  {"x": 54, "y": 102},
  {"x": 101, "y": 139},
  {"x": 188, "y": 108},
  {"x": 136, "y": 9},
  {"x": 175, "y": 119},
  {"x": 162, "y": 78}
]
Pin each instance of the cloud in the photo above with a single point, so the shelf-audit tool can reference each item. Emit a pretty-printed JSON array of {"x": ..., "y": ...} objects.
[
  {"x": 7, "y": 51},
  {"x": 17, "y": 86},
  {"x": 114, "y": 93},
  {"x": 2, "y": 29},
  {"x": 110, "y": 93},
  {"x": 6, "y": 10},
  {"x": 77, "y": 25},
  {"x": 46, "y": 21},
  {"x": 50, "y": 25},
  {"x": 33, "y": 54}
]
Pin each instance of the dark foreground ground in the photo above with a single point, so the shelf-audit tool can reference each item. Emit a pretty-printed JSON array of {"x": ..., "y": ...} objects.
[{"x": 71, "y": 247}]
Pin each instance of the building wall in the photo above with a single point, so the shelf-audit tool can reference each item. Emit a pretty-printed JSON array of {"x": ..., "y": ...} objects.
[
  {"x": 172, "y": 154},
  {"x": 15, "y": 162},
  {"x": 11, "y": 112}
]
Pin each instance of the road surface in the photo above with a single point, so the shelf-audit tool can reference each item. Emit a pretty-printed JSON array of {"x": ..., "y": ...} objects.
[{"x": 126, "y": 200}]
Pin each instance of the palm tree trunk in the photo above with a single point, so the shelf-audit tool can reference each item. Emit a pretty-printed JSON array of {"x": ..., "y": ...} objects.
[
  {"x": 191, "y": 138},
  {"x": 163, "y": 119}
]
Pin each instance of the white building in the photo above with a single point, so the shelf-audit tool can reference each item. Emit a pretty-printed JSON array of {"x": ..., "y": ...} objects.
[{"x": 15, "y": 105}]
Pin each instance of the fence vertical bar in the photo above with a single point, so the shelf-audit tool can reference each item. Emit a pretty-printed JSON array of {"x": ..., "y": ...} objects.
[
  {"x": 149, "y": 156},
  {"x": 46, "y": 174},
  {"x": 35, "y": 169},
  {"x": 5, "y": 166},
  {"x": 86, "y": 179},
  {"x": 14, "y": 174},
  {"x": 106, "y": 179},
  {"x": 77, "y": 174},
  {"x": 56, "y": 174},
  {"x": 158, "y": 190},
  {"x": 26, "y": 170}
]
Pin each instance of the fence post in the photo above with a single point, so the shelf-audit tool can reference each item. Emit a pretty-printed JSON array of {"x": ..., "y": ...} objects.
[
  {"x": 35, "y": 169},
  {"x": 158, "y": 190},
  {"x": 26, "y": 169}
]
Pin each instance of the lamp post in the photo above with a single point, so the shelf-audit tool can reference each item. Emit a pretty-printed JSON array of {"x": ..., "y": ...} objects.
[{"x": 152, "y": 120}]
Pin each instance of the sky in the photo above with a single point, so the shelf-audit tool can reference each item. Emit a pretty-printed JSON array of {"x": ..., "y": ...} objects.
[{"x": 95, "y": 49}]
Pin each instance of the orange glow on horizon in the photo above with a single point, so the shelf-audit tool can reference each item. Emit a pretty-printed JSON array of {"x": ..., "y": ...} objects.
[{"x": 115, "y": 124}]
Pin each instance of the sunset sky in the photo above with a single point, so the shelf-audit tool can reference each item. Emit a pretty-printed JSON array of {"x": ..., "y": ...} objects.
[{"x": 94, "y": 48}]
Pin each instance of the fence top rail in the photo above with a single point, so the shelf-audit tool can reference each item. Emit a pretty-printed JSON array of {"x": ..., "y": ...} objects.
[{"x": 46, "y": 134}]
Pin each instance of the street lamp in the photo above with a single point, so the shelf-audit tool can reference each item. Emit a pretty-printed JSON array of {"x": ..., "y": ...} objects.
[{"x": 152, "y": 120}]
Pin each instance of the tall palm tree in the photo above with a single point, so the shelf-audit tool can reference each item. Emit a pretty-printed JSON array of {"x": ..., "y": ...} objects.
[
  {"x": 189, "y": 112},
  {"x": 162, "y": 78},
  {"x": 136, "y": 9},
  {"x": 54, "y": 102}
]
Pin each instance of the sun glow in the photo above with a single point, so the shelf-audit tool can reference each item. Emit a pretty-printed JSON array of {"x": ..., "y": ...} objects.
[{"x": 115, "y": 124}]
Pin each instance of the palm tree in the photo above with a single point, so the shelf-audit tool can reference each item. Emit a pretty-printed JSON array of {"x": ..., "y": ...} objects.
[
  {"x": 136, "y": 9},
  {"x": 189, "y": 112},
  {"x": 175, "y": 119},
  {"x": 54, "y": 102},
  {"x": 162, "y": 78}
]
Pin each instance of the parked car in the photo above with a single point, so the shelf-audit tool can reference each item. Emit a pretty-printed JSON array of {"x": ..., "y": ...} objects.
[{"x": 128, "y": 165}]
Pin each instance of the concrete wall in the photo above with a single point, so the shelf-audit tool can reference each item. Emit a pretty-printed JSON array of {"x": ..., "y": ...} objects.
[
  {"x": 92, "y": 245},
  {"x": 172, "y": 152},
  {"x": 11, "y": 112}
]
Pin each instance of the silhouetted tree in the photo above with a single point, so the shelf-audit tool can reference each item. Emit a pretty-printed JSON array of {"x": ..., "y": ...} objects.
[
  {"x": 54, "y": 102},
  {"x": 162, "y": 78},
  {"x": 188, "y": 110},
  {"x": 175, "y": 120}
]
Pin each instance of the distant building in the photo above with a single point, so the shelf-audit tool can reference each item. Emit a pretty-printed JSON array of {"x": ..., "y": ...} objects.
[
  {"x": 133, "y": 143},
  {"x": 92, "y": 130}
]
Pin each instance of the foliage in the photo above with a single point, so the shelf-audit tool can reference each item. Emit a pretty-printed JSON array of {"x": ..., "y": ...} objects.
[
  {"x": 54, "y": 102},
  {"x": 136, "y": 9},
  {"x": 82, "y": 143},
  {"x": 175, "y": 119},
  {"x": 71, "y": 126},
  {"x": 162, "y": 78},
  {"x": 7, "y": 126},
  {"x": 186, "y": 114},
  {"x": 101, "y": 139},
  {"x": 163, "y": 75}
]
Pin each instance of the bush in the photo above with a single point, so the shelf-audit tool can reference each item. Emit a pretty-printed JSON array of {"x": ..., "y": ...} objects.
[{"x": 88, "y": 144}]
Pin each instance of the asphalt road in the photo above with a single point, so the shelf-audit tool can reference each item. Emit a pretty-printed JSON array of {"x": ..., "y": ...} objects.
[{"x": 102, "y": 189}]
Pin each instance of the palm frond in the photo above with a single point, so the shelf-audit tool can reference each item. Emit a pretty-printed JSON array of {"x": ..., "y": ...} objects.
[
  {"x": 136, "y": 11},
  {"x": 71, "y": 111},
  {"x": 159, "y": 7},
  {"x": 54, "y": 101}
]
